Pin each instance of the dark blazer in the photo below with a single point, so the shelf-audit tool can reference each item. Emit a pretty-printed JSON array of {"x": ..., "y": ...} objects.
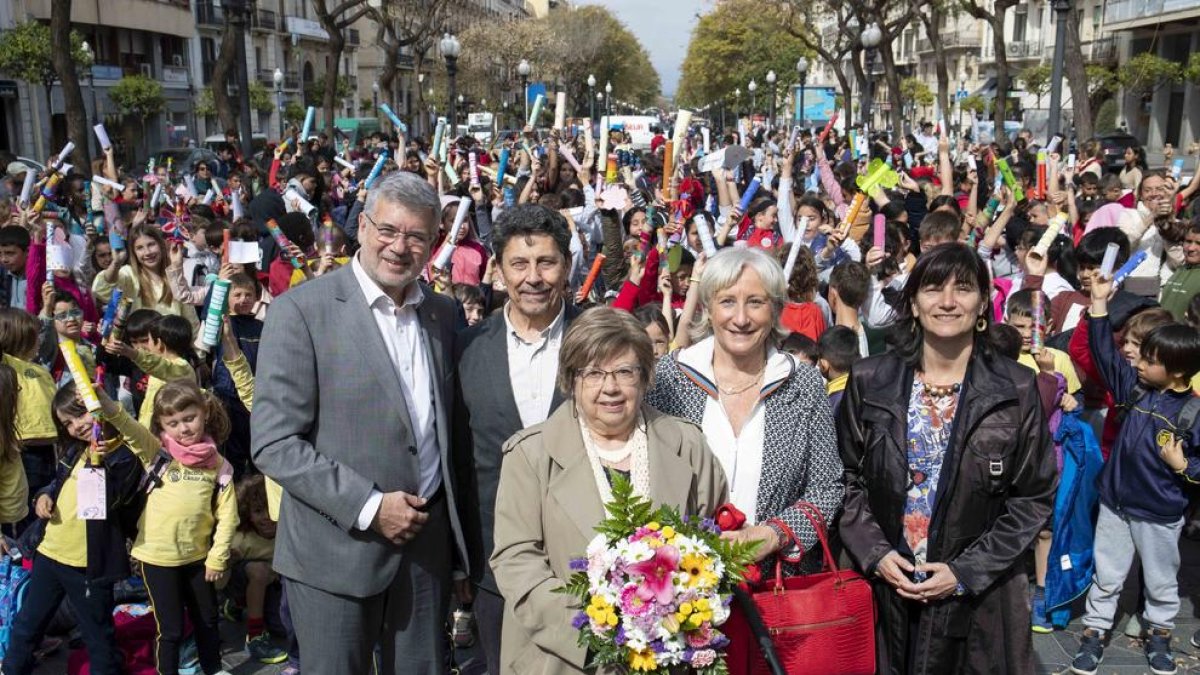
[
  {"x": 331, "y": 422},
  {"x": 485, "y": 416},
  {"x": 995, "y": 493}
]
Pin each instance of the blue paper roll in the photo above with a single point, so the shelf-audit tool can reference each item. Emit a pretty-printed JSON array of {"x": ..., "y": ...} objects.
[
  {"x": 502, "y": 167},
  {"x": 308, "y": 122},
  {"x": 400, "y": 126},
  {"x": 1129, "y": 266},
  {"x": 376, "y": 170},
  {"x": 748, "y": 195}
]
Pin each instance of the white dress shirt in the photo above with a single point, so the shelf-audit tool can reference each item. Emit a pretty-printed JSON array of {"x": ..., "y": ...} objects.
[
  {"x": 407, "y": 349},
  {"x": 533, "y": 367}
]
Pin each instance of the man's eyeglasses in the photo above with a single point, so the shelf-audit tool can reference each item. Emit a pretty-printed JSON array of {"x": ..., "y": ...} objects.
[
  {"x": 68, "y": 315},
  {"x": 387, "y": 235}
]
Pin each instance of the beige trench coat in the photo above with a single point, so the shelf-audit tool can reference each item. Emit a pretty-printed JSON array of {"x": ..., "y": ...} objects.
[{"x": 547, "y": 507}]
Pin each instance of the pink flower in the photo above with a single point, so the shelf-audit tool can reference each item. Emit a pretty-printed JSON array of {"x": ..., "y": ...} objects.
[
  {"x": 656, "y": 575},
  {"x": 631, "y": 603},
  {"x": 700, "y": 637},
  {"x": 703, "y": 658}
]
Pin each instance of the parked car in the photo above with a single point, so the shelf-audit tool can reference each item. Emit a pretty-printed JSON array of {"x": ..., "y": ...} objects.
[
  {"x": 1114, "y": 144},
  {"x": 182, "y": 159}
]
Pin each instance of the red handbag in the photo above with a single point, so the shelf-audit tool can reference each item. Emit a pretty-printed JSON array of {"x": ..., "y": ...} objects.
[{"x": 819, "y": 624}]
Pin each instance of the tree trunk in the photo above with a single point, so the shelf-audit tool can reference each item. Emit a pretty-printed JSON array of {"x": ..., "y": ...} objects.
[
  {"x": 892, "y": 76},
  {"x": 329, "y": 98},
  {"x": 226, "y": 108},
  {"x": 1077, "y": 78},
  {"x": 933, "y": 23},
  {"x": 51, "y": 148},
  {"x": 1000, "y": 102},
  {"x": 77, "y": 126},
  {"x": 860, "y": 76}
]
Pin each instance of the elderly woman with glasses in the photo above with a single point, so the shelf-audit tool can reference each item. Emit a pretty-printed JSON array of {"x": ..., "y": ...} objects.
[{"x": 558, "y": 475}]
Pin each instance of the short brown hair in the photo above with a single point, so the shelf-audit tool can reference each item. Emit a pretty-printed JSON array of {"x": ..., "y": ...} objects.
[
  {"x": 178, "y": 395},
  {"x": 18, "y": 332},
  {"x": 1139, "y": 325},
  {"x": 598, "y": 334}
]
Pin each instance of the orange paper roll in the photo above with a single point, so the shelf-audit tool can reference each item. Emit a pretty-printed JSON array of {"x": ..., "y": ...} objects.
[
  {"x": 668, "y": 185},
  {"x": 610, "y": 175},
  {"x": 225, "y": 247},
  {"x": 586, "y": 289},
  {"x": 1041, "y": 174},
  {"x": 856, "y": 206}
]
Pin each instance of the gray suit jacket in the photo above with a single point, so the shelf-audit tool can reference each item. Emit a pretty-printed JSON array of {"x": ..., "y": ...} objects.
[
  {"x": 485, "y": 416},
  {"x": 330, "y": 423}
]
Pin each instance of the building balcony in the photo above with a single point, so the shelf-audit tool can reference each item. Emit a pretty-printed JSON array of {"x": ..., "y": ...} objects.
[
  {"x": 264, "y": 20},
  {"x": 949, "y": 41},
  {"x": 209, "y": 14},
  {"x": 266, "y": 77},
  {"x": 1124, "y": 14},
  {"x": 1103, "y": 49},
  {"x": 305, "y": 28},
  {"x": 1027, "y": 49}
]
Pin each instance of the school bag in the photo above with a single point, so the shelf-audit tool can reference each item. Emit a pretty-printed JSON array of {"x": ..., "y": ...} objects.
[
  {"x": 1187, "y": 415},
  {"x": 14, "y": 584}
]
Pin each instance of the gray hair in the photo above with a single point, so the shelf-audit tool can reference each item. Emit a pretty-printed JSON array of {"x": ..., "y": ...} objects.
[
  {"x": 724, "y": 270},
  {"x": 410, "y": 191}
]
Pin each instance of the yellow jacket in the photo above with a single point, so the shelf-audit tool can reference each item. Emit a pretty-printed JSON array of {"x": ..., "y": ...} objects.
[
  {"x": 243, "y": 381},
  {"x": 35, "y": 394},
  {"x": 183, "y": 521},
  {"x": 131, "y": 286},
  {"x": 161, "y": 370}
]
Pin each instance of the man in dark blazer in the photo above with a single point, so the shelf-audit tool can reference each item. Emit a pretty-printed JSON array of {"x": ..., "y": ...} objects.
[
  {"x": 506, "y": 369},
  {"x": 352, "y": 418}
]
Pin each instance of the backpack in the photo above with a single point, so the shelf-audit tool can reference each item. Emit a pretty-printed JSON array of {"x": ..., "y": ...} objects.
[
  {"x": 14, "y": 584},
  {"x": 1187, "y": 415}
]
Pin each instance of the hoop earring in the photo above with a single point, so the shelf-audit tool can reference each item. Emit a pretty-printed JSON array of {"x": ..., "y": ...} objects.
[{"x": 981, "y": 325}]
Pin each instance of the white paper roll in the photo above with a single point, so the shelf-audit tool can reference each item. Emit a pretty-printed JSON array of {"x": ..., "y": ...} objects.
[
  {"x": 706, "y": 235},
  {"x": 560, "y": 110},
  {"x": 158, "y": 193},
  {"x": 208, "y": 196},
  {"x": 793, "y": 254},
  {"x": 1110, "y": 260},
  {"x": 238, "y": 209},
  {"x": 443, "y": 258},
  {"x": 191, "y": 185},
  {"x": 1053, "y": 146},
  {"x": 102, "y": 136},
  {"x": 683, "y": 119},
  {"x": 306, "y": 206},
  {"x": 343, "y": 162},
  {"x": 62, "y": 156},
  {"x": 27, "y": 188},
  {"x": 464, "y": 207},
  {"x": 706, "y": 135},
  {"x": 101, "y": 180}
]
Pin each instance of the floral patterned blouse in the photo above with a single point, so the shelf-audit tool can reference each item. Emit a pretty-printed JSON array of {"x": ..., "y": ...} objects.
[{"x": 930, "y": 421}]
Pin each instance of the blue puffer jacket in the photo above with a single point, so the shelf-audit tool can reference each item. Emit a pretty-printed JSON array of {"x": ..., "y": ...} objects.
[{"x": 1070, "y": 564}]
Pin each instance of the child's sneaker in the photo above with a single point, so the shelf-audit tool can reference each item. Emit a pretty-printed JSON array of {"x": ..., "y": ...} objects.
[
  {"x": 1196, "y": 639},
  {"x": 1040, "y": 622},
  {"x": 1158, "y": 652},
  {"x": 1091, "y": 652},
  {"x": 261, "y": 650}
]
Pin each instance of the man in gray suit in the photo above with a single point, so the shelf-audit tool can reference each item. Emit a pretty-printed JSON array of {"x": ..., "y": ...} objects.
[
  {"x": 352, "y": 418},
  {"x": 506, "y": 370}
]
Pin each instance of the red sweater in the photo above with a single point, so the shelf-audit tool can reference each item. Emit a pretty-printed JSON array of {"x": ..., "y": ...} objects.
[{"x": 1080, "y": 352}]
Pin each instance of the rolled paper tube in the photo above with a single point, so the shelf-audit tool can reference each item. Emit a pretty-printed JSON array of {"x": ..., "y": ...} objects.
[
  {"x": 683, "y": 119},
  {"x": 878, "y": 174},
  {"x": 793, "y": 136},
  {"x": 27, "y": 188},
  {"x": 560, "y": 110},
  {"x": 306, "y": 206},
  {"x": 971, "y": 162},
  {"x": 602, "y": 156},
  {"x": 209, "y": 196},
  {"x": 49, "y": 243},
  {"x": 115, "y": 240},
  {"x": 101, "y": 180},
  {"x": 62, "y": 155},
  {"x": 157, "y": 195},
  {"x": 102, "y": 136},
  {"x": 990, "y": 209},
  {"x": 860, "y": 200},
  {"x": 460, "y": 217},
  {"x": 343, "y": 162},
  {"x": 661, "y": 236},
  {"x": 83, "y": 383},
  {"x": 510, "y": 196},
  {"x": 283, "y": 144},
  {"x": 47, "y": 192},
  {"x": 668, "y": 172},
  {"x": 124, "y": 307},
  {"x": 706, "y": 138},
  {"x": 375, "y": 171},
  {"x": 793, "y": 254},
  {"x": 1129, "y": 266},
  {"x": 1041, "y": 174},
  {"x": 586, "y": 289},
  {"x": 536, "y": 110},
  {"x": 235, "y": 200},
  {"x": 610, "y": 174},
  {"x": 828, "y": 126},
  {"x": 1038, "y": 321},
  {"x": 443, "y": 257},
  {"x": 110, "y": 312},
  {"x": 565, "y": 151},
  {"x": 308, "y": 122},
  {"x": 502, "y": 166},
  {"x": 748, "y": 195},
  {"x": 1052, "y": 230},
  {"x": 190, "y": 183},
  {"x": 210, "y": 334},
  {"x": 1110, "y": 260},
  {"x": 451, "y": 174},
  {"x": 327, "y": 235},
  {"x": 396, "y": 121},
  {"x": 1010, "y": 180},
  {"x": 491, "y": 173},
  {"x": 706, "y": 236},
  {"x": 854, "y": 144},
  {"x": 1071, "y": 161},
  {"x": 879, "y": 232},
  {"x": 1053, "y": 145},
  {"x": 438, "y": 133},
  {"x": 1177, "y": 169},
  {"x": 473, "y": 169},
  {"x": 282, "y": 241},
  {"x": 225, "y": 246}
]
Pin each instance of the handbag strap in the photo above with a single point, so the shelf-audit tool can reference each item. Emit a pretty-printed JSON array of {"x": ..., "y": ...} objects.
[{"x": 815, "y": 518}]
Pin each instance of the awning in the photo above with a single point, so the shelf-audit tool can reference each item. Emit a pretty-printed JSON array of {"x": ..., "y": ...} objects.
[{"x": 988, "y": 90}]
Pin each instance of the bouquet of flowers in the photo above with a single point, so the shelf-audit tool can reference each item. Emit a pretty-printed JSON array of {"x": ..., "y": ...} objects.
[{"x": 654, "y": 587}]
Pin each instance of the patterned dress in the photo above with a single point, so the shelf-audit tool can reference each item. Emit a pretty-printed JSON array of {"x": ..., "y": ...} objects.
[{"x": 930, "y": 422}]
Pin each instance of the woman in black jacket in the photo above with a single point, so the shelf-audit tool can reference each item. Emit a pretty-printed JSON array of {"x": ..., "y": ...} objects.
[{"x": 949, "y": 478}]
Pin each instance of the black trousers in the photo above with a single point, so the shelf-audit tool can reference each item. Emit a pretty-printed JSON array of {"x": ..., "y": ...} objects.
[
  {"x": 49, "y": 582},
  {"x": 174, "y": 590},
  {"x": 39, "y": 464}
]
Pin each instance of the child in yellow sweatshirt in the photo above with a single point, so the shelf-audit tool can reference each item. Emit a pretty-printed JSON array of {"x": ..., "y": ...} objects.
[
  {"x": 35, "y": 392},
  {"x": 186, "y": 530},
  {"x": 14, "y": 487},
  {"x": 164, "y": 354}
]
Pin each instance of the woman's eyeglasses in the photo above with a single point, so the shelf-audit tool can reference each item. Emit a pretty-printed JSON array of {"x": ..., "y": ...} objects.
[{"x": 624, "y": 376}]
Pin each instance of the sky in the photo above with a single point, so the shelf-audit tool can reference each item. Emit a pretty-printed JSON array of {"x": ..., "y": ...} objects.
[{"x": 663, "y": 27}]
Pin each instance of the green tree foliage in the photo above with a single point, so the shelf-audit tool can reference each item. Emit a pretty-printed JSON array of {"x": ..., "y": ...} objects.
[
  {"x": 975, "y": 104},
  {"x": 1036, "y": 80},
  {"x": 25, "y": 53},
  {"x": 315, "y": 90},
  {"x": 204, "y": 105},
  {"x": 138, "y": 95},
  {"x": 261, "y": 99},
  {"x": 1191, "y": 71},
  {"x": 727, "y": 50},
  {"x": 1146, "y": 72},
  {"x": 293, "y": 112},
  {"x": 914, "y": 89}
]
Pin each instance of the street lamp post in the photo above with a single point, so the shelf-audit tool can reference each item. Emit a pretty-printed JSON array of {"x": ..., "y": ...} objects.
[
  {"x": 871, "y": 36},
  {"x": 592, "y": 97},
  {"x": 91, "y": 59},
  {"x": 462, "y": 100},
  {"x": 737, "y": 105},
  {"x": 1061, "y": 9},
  {"x": 802, "y": 71},
  {"x": 278, "y": 78},
  {"x": 753, "y": 89},
  {"x": 771, "y": 81},
  {"x": 608, "y": 98},
  {"x": 450, "y": 51},
  {"x": 239, "y": 15},
  {"x": 523, "y": 71}
]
